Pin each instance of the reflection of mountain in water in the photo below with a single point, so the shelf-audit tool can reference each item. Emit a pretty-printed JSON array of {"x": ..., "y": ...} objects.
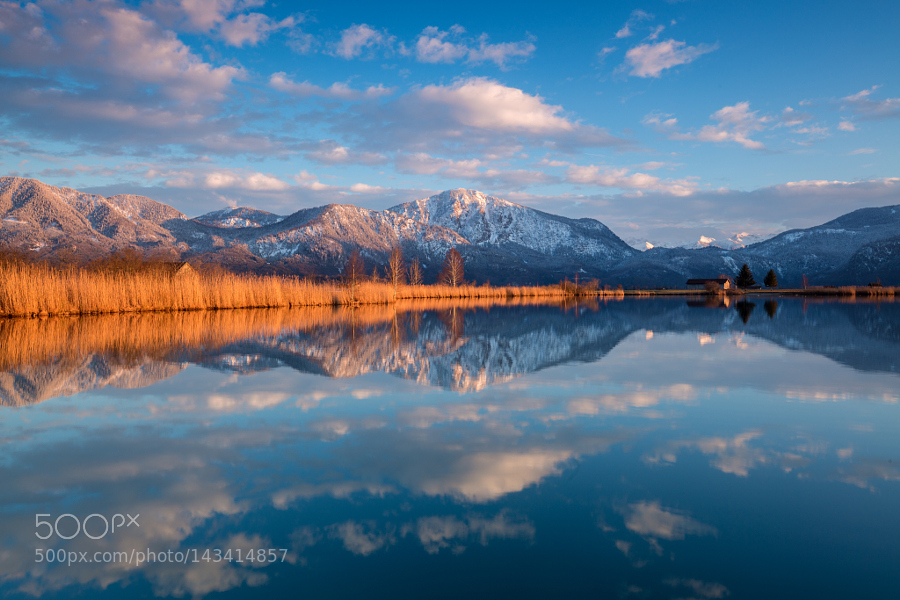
[
  {"x": 33, "y": 384},
  {"x": 453, "y": 349},
  {"x": 864, "y": 335},
  {"x": 457, "y": 348}
]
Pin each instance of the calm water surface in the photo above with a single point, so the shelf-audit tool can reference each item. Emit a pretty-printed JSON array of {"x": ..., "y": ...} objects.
[{"x": 633, "y": 449}]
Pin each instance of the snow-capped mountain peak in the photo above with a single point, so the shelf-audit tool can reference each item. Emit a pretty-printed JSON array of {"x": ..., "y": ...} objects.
[{"x": 489, "y": 221}]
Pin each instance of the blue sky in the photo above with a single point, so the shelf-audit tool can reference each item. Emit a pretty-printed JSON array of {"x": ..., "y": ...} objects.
[{"x": 670, "y": 122}]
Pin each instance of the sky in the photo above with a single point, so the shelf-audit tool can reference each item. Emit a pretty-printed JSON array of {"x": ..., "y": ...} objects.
[{"x": 674, "y": 123}]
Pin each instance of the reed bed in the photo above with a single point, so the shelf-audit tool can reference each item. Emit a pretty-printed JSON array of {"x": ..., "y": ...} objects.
[{"x": 28, "y": 289}]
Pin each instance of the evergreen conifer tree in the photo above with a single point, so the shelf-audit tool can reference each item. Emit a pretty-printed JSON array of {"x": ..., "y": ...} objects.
[
  {"x": 745, "y": 278},
  {"x": 771, "y": 279}
]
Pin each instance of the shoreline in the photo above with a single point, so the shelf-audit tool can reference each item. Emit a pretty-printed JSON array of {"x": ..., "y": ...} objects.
[
  {"x": 845, "y": 291},
  {"x": 29, "y": 290}
]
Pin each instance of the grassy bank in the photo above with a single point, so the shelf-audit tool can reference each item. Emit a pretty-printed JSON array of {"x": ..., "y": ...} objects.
[{"x": 28, "y": 289}]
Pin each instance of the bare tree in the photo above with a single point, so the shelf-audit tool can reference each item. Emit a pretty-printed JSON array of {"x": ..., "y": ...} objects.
[
  {"x": 396, "y": 269},
  {"x": 415, "y": 272},
  {"x": 354, "y": 273},
  {"x": 452, "y": 274}
]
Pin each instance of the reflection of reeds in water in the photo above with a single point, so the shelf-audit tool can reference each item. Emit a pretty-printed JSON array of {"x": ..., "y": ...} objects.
[
  {"x": 31, "y": 289},
  {"x": 130, "y": 338}
]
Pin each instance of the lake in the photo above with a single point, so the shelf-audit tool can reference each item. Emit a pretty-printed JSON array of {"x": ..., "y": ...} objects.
[{"x": 642, "y": 448}]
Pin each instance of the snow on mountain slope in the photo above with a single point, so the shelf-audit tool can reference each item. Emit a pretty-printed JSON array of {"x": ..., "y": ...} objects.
[
  {"x": 145, "y": 208},
  {"x": 488, "y": 221},
  {"x": 48, "y": 219},
  {"x": 238, "y": 217},
  {"x": 501, "y": 241},
  {"x": 819, "y": 251},
  {"x": 331, "y": 231}
]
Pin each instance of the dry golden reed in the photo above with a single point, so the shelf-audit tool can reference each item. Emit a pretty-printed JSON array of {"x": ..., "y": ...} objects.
[{"x": 28, "y": 289}]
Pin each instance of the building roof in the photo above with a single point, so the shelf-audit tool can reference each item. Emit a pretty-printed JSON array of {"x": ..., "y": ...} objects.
[{"x": 172, "y": 268}]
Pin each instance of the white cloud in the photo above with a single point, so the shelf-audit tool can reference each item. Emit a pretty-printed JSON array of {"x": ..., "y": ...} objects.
[
  {"x": 223, "y": 18},
  {"x": 337, "y": 91},
  {"x": 432, "y": 47},
  {"x": 358, "y": 40},
  {"x": 486, "y": 104},
  {"x": 656, "y": 31},
  {"x": 206, "y": 14},
  {"x": 224, "y": 179},
  {"x": 794, "y": 118},
  {"x": 470, "y": 117},
  {"x": 252, "y": 28},
  {"x": 734, "y": 124},
  {"x": 500, "y": 54},
  {"x": 636, "y": 17},
  {"x": 846, "y": 126},
  {"x": 622, "y": 178},
  {"x": 333, "y": 153},
  {"x": 601, "y": 56},
  {"x": 137, "y": 49},
  {"x": 363, "y": 188},
  {"x": 311, "y": 182},
  {"x": 649, "y": 60},
  {"x": 865, "y": 108},
  {"x": 420, "y": 163},
  {"x": 472, "y": 170},
  {"x": 863, "y": 151},
  {"x": 436, "y": 46}
]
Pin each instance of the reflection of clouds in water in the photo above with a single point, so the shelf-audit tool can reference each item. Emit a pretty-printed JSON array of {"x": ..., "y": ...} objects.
[
  {"x": 436, "y": 533},
  {"x": 487, "y": 476},
  {"x": 337, "y": 489},
  {"x": 433, "y": 532},
  {"x": 624, "y": 401},
  {"x": 423, "y": 417},
  {"x": 202, "y": 578},
  {"x": 650, "y": 519},
  {"x": 332, "y": 429},
  {"x": 762, "y": 367},
  {"x": 832, "y": 396},
  {"x": 733, "y": 455},
  {"x": 736, "y": 455},
  {"x": 862, "y": 473},
  {"x": 700, "y": 588},
  {"x": 175, "y": 488},
  {"x": 362, "y": 538}
]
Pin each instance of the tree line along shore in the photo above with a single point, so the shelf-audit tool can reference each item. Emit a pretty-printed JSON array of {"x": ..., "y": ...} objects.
[{"x": 124, "y": 283}]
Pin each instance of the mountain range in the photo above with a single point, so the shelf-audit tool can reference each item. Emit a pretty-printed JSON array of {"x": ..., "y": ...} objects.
[{"x": 501, "y": 242}]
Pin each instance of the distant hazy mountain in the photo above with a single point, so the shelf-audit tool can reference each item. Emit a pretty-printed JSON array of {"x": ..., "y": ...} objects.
[
  {"x": 857, "y": 248},
  {"x": 238, "y": 217},
  {"x": 501, "y": 241}
]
